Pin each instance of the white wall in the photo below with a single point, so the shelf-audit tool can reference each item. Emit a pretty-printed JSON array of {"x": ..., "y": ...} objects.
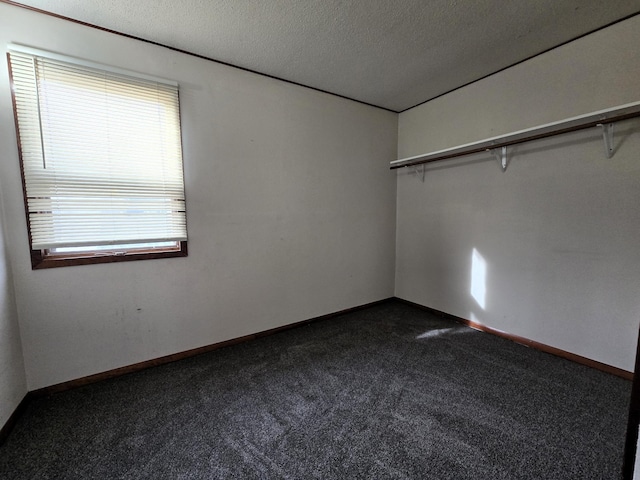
[
  {"x": 291, "y": 215},
  {"x": 636, "y": 467},
  {"x": 13, "y": 385},
  {"x": 559, "y": 230}
]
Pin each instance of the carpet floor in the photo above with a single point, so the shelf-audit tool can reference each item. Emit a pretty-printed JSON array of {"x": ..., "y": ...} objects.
[{"x": 387, "y": 392}]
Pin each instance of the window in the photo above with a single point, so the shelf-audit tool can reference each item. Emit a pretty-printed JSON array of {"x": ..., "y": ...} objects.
[{"x": 101, "y": 161}]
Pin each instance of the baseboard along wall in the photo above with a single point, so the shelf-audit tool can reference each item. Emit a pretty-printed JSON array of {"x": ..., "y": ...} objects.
[{"x": 136, "y": 367}]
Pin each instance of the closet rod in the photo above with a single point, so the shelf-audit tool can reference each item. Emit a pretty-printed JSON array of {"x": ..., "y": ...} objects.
[{"x": 602, "y": 117}]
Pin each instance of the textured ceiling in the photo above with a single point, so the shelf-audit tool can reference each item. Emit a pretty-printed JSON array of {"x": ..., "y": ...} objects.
[{"x": 390, "y": 53}]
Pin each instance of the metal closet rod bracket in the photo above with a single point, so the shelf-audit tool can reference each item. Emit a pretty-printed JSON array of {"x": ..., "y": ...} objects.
[
  {"x": 607, "y": 137},
  {"x": 419, "y": 170},
  {"x": 501, "y": 156}
]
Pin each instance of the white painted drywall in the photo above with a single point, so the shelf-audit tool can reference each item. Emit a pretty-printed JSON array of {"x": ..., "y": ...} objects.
[
  {"x": 13, "y": 384},
  {"x": 557, "y": 235},
  {"x": 291, "y": 215}
]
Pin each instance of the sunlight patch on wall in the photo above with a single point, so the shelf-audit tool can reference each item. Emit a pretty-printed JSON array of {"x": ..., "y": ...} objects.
[{"x": 478, "y": 278}]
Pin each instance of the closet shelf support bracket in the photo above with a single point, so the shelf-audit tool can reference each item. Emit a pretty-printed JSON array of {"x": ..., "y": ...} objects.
[
  {"x": 501, "y": 156},
  {"x": 607, "y": 136},
  {"x": 419, "y": 171}
]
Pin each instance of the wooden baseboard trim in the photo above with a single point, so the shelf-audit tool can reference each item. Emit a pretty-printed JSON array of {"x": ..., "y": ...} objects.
[
  {"x": 13, "y": 419},
  {"x": 136, "y": 367},
  {"x": 527, "y": 342}
]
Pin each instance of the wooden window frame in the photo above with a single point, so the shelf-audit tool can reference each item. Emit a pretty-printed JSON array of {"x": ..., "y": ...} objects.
[{"x": 42, "y": 259}]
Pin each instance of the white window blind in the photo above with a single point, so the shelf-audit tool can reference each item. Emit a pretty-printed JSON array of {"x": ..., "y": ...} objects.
[{"x": 101, "y": 154}]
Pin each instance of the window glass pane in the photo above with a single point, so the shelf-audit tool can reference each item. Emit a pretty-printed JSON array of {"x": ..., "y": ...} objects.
[{"x": 104, "y": 248}]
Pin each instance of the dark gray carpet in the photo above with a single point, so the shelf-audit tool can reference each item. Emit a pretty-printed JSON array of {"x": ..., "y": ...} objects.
[{"x": 386, "y": 392}]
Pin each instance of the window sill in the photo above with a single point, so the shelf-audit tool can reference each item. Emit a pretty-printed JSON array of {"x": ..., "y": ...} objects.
[{"x": 39, "y": 260}]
